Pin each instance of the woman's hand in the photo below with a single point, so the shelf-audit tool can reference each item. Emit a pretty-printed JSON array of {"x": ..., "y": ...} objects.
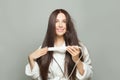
[
  {"x": 74, "y": 51},
  {"x": 36, "y": 54}
]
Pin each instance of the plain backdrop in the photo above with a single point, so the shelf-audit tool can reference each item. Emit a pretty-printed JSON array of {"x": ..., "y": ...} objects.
[{"x": 23, "y": 25}]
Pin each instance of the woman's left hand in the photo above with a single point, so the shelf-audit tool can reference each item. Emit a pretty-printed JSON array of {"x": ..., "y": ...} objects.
[{"x": 74, "y": 51}]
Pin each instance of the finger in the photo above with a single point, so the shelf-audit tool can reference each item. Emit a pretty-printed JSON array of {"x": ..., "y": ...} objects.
[
  {"x": 77, "y": 49},
  {"x": 73, "y": 49},
  {"x": 70, "y": 51},
  {"x": 42, "y": 51}
]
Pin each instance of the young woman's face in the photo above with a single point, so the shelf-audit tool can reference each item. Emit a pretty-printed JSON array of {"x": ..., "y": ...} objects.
[{"x": 60, "y": 24}]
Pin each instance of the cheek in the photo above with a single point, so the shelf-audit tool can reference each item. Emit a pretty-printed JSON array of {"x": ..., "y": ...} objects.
[
  {"x": 56, "y": 24},
  {"x": 65, "y": 30},
  {"x": 65, "y": 27}
]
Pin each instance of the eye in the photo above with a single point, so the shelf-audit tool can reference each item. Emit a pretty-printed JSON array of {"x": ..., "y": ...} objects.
[
  {"x": 64, "y": 21},
  {"x": 56, "y": 20}
]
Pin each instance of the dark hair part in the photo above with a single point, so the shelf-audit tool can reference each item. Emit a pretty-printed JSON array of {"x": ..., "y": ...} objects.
[{"x": 70, "y": 38}]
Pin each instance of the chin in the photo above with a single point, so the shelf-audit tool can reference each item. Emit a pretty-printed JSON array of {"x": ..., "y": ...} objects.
[{"x": 60, "y": 34}]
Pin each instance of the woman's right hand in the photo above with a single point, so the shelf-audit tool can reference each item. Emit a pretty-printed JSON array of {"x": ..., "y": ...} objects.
[{"x": 36, "y": 54}]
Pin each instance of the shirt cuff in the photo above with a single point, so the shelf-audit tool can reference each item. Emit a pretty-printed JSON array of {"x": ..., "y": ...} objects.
[
  {"x": 79, "y": 76},
  {"x": 34, "y": 73}
]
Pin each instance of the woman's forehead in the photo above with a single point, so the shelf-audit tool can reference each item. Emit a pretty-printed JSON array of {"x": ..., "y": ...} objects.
[{"x": 61, "y": 16}]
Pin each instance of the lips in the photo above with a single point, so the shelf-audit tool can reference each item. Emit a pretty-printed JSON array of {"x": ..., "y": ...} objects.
[{"x": 60, "y": 30}]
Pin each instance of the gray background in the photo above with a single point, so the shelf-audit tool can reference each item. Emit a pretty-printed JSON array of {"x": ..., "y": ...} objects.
[{"x": 23, "y": 25}]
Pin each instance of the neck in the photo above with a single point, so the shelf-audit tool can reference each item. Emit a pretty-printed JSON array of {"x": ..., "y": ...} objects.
[{"x": 59, "y": 41}]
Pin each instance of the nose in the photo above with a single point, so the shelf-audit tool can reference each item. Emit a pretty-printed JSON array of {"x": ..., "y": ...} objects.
[{"x": 60, "y": 24}]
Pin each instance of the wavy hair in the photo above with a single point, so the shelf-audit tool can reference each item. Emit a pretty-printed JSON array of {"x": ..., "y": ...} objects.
[{"x": 70, "y": 38}]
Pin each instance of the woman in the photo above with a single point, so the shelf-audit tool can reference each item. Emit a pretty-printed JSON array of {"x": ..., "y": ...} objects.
[{"x": 70, "y": 60}]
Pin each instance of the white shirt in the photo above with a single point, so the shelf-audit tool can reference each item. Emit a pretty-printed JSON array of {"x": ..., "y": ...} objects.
[{"x": 55, "y": 71}]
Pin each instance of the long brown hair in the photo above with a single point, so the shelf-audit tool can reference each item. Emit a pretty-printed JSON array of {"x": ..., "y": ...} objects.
[{"x": 70, "y": 38}]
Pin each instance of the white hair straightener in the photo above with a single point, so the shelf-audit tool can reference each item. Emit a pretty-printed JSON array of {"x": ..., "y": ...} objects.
[{"x": 58, "y": 48}]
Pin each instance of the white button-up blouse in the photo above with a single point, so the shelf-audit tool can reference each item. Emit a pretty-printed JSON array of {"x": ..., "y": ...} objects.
[{"x": 55, "y": 71}]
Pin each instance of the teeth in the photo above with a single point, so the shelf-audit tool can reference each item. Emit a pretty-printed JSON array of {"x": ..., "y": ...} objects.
[{"x": 60, "y": 30}]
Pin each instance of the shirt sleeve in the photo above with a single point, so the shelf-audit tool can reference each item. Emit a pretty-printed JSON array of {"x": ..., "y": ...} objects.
[
  {"x": 86, "y": 66},
  {"x": 34, "y": 73}
]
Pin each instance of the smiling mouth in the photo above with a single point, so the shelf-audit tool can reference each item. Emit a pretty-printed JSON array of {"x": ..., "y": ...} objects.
[{"x": 60, "y": 30}]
